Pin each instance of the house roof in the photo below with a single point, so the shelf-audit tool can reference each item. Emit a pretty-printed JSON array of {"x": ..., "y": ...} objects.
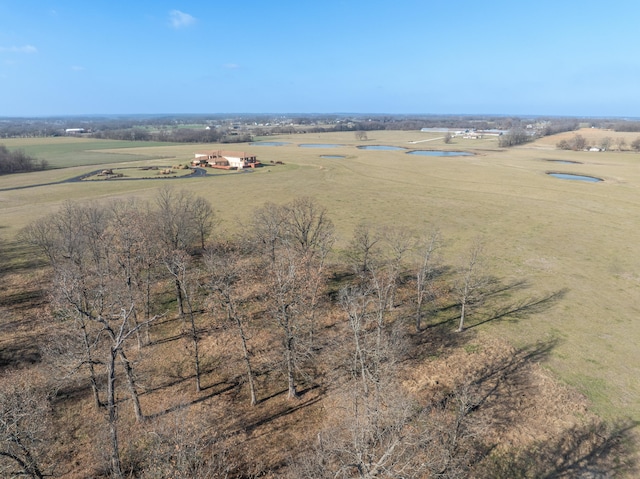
[{"x": 225, "y": 153}]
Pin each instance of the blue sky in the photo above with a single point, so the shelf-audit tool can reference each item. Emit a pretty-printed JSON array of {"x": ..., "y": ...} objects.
[{"x": 71, "y": 57}]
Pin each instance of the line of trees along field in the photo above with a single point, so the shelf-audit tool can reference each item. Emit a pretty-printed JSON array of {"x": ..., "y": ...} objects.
[
  {"x": 135, "y": 284},
  {"x": 18, "y": 162}
]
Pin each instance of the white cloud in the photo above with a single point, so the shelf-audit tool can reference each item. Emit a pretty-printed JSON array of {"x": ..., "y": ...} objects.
[
  {"x": 178, "y": 19},
  {"x": 22, "y": 49}
]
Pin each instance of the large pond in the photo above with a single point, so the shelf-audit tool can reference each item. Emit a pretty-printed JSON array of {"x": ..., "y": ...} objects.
[
  {"x": 319, "y": 145},
  {"x": 568, "y": 176},
  {"x": 269, "y": 143},
  {"x": 439, "y": 153},
  {"x": 381, "y": 147}
]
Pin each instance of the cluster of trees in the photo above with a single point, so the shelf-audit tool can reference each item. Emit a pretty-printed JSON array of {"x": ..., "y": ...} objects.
[
  {"x": 578, "y": 143},
  {"x": 514, "y": 137},
  {"x": 18, "y": 162},
  {"x": 130, "y": 276}
]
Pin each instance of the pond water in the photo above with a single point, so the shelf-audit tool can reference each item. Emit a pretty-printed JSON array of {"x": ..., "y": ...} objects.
[
  {"x": 439, "y": 153},
  {"x": 568, "y": 176},
  {"x": 331, "y": 156},
  {"x": 381, "y": 147},
  {"x": 269, "y": 143},
  {"x": 566, "y": 162},
  {"x": 319, "y": 145}
]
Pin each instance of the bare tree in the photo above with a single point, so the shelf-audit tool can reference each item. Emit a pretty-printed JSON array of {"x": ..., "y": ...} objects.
[
  {"x": 181, "y": 222},
  {"x": 24, "y": 427},
  {"x": 179, "y": 265},
  {"x": 398, "y": 242},
  {"x": 364, "y": 247},
  {"x": 204, "y": 218},
  {"x": 470, "y": 281},
  {"x": 133, "y": 251},
  {"x": 268, "y": 226},
  {"x": 63, "y": 238},
  {"x": 355, "y": 302},
  {"x": 182, "y": 447},
  {"x": 298, "y": 237},
  {"x": 621, "y": 143},
  {"x": 447, "y": 138},
  {"x": 226, "y": 269},
  {"x": 399, "y": 439},
  {"x": 605, "y": 143},
  {"x": 308, "y": 227},
  {"x": 425, "y": 273},
  {"x": 118, "y": 332}
]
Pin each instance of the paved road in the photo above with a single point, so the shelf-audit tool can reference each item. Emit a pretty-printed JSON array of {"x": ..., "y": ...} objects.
[{"x": 197, "y": 173}]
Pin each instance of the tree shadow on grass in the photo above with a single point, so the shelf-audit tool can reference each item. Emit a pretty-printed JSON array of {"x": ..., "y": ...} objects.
[
  {"x": 286, "y": 410},
  {"x": 519, "y": 309},
  {"x": 226, "y": 387},
  {"x": 494, "y": 304},
  {"x": 595, "y": 450},
  {"x": 19, "y": 352},
  {"x": 505, "y": 394},
  {"x": 591, "y": 449}
]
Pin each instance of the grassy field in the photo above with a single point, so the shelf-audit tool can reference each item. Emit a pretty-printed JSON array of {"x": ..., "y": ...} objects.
[
  {"x": 64, "y": 152},
  {"x": 572, "y": 244}
]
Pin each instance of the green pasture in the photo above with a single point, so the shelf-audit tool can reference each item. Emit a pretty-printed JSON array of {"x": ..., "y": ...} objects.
[
  {"x": 566, "y": 253},
  {"x": 64, "y": 152}
]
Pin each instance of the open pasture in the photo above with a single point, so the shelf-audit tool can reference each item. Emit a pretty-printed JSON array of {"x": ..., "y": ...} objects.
[
  {"x": 64, "y": 152},
  {"x": 571, "y": 246}
]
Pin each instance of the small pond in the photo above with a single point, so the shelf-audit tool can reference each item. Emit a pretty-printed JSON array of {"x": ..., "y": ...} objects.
[
  {"x": 319, "y": 145},
  {"x": 566, "y": 162},
  {"x": 332, "y": 156},
  {"x": 269, "y": 143},
  {"x": 439, "y": 153},
  {"x": 568, "y": 176},
  {"x": 381, "y": 147}
]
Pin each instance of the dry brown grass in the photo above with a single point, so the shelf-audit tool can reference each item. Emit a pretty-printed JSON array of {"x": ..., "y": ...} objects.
[{"x": 520, "y": 405}]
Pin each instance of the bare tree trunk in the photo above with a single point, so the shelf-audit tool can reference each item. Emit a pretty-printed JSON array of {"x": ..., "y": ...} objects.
[
  {"x": 179, "y": 297},
  {"x": 245, "y": 352},
  {"x": 293, "y": 393},
  {"x": 424, "y": 275},
  {"x": 471, "y": 280},
  {"x": 131, "y": 385},
  {"x": 463, "y": 307},
  {"x": 116, "y": 465},
  {"x": 90, "y": 362}
]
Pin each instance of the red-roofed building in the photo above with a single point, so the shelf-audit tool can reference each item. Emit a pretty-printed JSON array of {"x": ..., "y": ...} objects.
[{"x": 230, "y": 160}]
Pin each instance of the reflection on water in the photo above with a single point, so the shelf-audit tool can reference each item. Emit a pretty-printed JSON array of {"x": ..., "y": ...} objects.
[
  {"x": 380, "y": 147},
  {"x": 568, "y": 176},
  {"x": 439, "y": 153}
]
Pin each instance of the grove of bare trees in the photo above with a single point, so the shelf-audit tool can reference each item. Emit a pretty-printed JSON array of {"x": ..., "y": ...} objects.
[{"x": 193, "y": 352}]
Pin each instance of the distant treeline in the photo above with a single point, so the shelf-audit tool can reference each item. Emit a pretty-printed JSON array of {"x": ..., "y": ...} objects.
[
  {"x": 632, "y": 126},
  {"x": 182, "y": 135},
  {"x": 234, "y": 129},
  {"x": 18, "y": 162}
]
